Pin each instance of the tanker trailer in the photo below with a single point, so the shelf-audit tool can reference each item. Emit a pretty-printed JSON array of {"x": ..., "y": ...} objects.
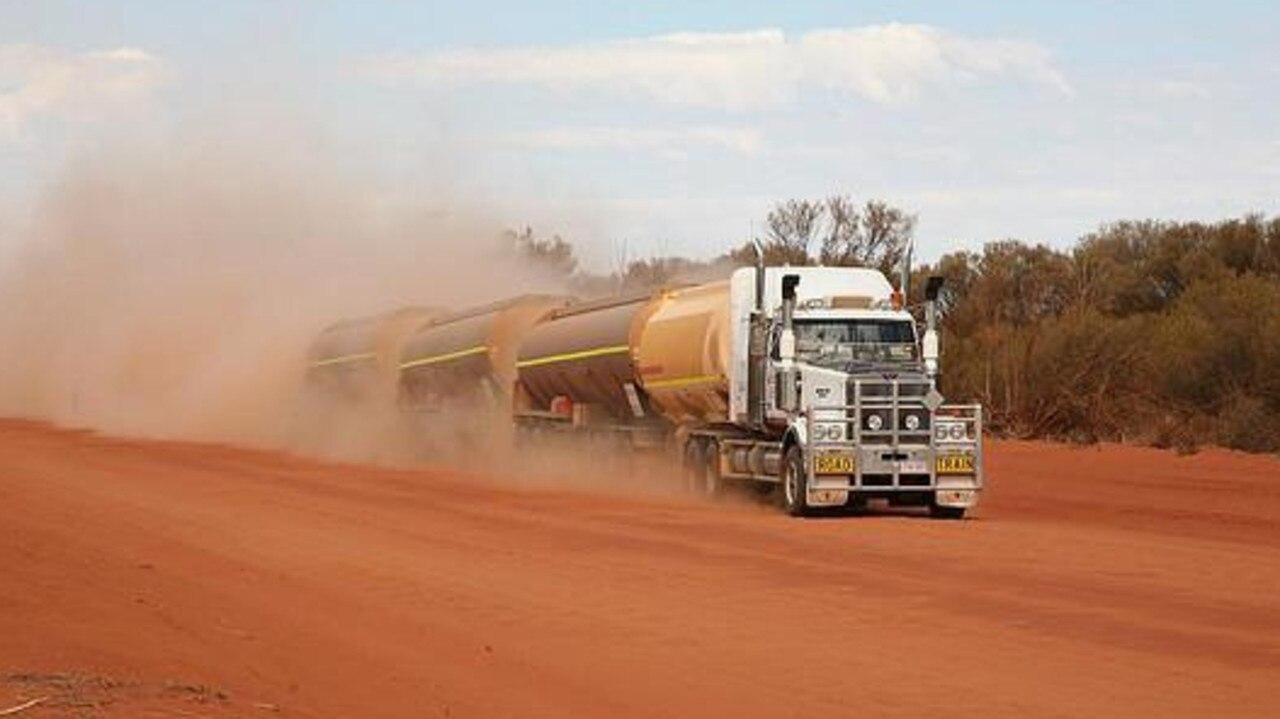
[
  {"x": 468, "y": 359},
  {"x": 355, "y": 360},
  {"x": 576, "y": 371},
  {"x": 809, "y": 380}
]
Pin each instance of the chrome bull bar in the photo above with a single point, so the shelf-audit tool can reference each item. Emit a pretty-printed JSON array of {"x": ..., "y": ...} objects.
[{"x": 869, "y": 448}]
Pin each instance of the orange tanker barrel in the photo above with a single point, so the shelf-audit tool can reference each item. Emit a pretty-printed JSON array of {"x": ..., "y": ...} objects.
[
  {"x": 471, "y": 352},
  {"x": 585, "y": 353},
  {"x": 683, "y": 354}
]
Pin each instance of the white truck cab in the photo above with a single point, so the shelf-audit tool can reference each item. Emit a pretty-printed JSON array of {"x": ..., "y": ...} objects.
[{"x": 849, "y": 393}]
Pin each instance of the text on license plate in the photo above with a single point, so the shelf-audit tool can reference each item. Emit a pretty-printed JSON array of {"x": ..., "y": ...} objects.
[
  {"x": 955, "y": 464},
  {"x": 833, "y": 464}
]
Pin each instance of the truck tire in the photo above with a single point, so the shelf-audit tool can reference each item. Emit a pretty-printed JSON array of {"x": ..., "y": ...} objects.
[
  {"x": 938, "y": 511},
  {"x": 795, "y": 483},
  {"x": 712, "y": 483},
  {"x": 693, "y": 467}
]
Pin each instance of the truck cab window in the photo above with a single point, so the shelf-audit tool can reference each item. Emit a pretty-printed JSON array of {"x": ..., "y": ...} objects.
[{"x": 840, "y": 343}]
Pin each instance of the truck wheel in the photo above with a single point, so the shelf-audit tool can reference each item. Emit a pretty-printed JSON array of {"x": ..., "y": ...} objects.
[
  {"x": 938, "y": 511},
  {"x": 795, "y": 483},
  {"x": 693, "y": 467},
  {"x": 712, "y": 484}
]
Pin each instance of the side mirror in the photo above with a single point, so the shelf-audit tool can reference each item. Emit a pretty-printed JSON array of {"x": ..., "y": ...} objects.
[
  {"x": 789, "y": 283},
  {"x": 929, "y": 351},
  {"x": 929, "y": 346},
  {"x": 787, "y": 342},
  {"x": 933, "y": 287}
]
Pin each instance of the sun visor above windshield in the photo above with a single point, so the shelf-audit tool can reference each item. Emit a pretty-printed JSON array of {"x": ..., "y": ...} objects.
[{"x": 851, "y": 302}]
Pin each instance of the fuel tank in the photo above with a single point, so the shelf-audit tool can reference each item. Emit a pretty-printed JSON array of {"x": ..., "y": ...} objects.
[
  {"x": 470, "y": 354},
  {"x": 359, "y": 357},
  {"x": 684, "y": 354},
  {"x": 585, "y": 354}
]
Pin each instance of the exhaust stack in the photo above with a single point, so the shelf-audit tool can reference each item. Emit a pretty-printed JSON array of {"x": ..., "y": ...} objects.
[
  {"x": 929, "y": 345},
  {"x": 757, "y": 350},
  {"x": 904, "y": 278},
  {"x": 788, "y": 396}
]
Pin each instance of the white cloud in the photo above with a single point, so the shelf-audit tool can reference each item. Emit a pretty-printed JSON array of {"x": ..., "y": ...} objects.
[
  {"x": 40, "y": 81},
  {"x": 892, "y": 63},
  {"x": 734, "y": 71},
  {"x": 1183, "y": 90},
  {"x": 667, "y": 142}
]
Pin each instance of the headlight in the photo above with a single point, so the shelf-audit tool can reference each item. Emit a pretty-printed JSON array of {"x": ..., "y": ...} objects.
[
  {"x": 912, "y": 422},
  {"x": 874, "y": 422},
  {"x": 954, "y": 431},
  {"x": 828, "y": 431}
]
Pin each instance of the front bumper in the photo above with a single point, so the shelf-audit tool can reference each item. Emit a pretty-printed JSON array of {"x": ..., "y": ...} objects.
[
  {"x": 948, "y": 473},
  {"x": 885, "y": 470}
]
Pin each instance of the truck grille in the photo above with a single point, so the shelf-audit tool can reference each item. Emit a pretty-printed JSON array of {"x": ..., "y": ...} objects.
[{"x": 890, "y": 400}]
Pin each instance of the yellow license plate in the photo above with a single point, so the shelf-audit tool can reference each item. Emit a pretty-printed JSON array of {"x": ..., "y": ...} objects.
[
  {"x": 955, "y": 464},
  {"x": 833, "y": 464}
]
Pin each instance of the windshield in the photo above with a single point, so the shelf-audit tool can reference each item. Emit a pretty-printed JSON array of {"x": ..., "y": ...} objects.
[{"x": 837, "y": 344}]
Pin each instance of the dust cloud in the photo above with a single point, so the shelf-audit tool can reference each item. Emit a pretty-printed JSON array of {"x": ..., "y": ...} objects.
[
  {"x": 487, "y": 445},
  {"x": 172, "y": 291}
]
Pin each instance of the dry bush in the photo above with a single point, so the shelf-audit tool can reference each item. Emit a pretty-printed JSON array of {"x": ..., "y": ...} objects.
[{"x": 1167, "y": 333}]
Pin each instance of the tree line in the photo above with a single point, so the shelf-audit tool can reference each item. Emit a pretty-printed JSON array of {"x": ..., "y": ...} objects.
[
  {"x": 1153, "y": 332},
  {"x": 1165, "y": 333}
]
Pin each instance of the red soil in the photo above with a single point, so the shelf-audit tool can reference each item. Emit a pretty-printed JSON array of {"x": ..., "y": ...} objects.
[{"x": 163, "y": 579}]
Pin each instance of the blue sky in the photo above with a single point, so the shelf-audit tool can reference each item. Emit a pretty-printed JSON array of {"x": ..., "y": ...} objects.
[{"x": 674, "y": 125}]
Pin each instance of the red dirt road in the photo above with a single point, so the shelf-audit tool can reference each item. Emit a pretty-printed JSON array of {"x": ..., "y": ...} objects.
[{"x": 159, "y": 579}]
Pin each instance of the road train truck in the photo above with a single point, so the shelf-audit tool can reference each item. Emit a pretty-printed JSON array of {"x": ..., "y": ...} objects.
[{"x": 811, "y": 378}]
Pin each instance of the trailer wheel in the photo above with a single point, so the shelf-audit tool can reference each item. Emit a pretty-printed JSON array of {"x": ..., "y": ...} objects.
[
  {"x": 712, "y": 483},
  {"x": 693, "y": 467},
  {"x": 795, "y": 483}
]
